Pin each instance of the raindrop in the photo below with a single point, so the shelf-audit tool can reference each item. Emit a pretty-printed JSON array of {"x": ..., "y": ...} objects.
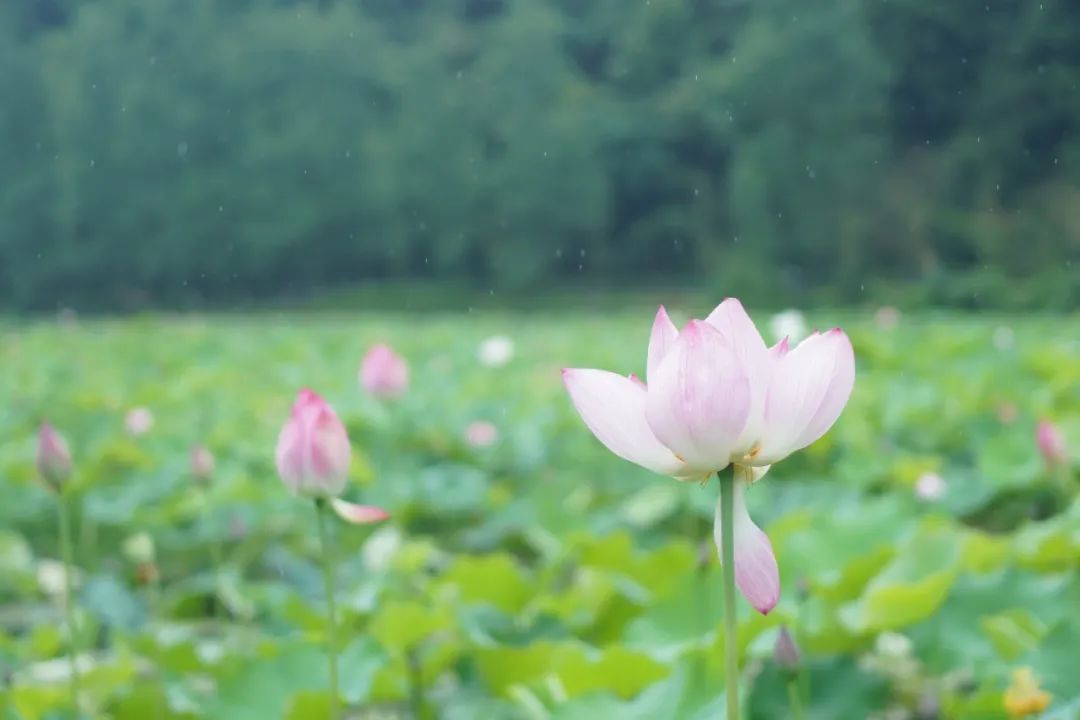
[{"x": 181, "y": 149}]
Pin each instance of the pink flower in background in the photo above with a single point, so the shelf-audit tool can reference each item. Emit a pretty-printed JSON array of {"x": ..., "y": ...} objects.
[
  {"x": 202, "y": 463},
  {"x": 1051, "y": 443},
  {"x": 53, "y": 457},
  {"x": 716, "y": 395},
  {"x": 887, "y": 317},
  {"x": 313, "y": 452},
  {"x": 138, "y": 421},
  {"x": 929, "y": 487},
  {"x": 383, "y": 372},
  {"x": 481, "y": 433}
]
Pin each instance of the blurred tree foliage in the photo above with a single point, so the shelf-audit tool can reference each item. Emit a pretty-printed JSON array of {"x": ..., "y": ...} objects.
[{"x": 189, "y": 151}]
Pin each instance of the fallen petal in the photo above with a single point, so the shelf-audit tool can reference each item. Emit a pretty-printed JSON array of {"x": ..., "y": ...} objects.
[{"x": 358, "y": 514}]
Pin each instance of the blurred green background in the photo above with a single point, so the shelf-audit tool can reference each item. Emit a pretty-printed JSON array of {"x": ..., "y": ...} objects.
[{"x": 201, "y": 153}]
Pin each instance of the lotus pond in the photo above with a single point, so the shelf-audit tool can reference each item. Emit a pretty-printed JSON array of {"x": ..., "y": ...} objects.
[{"x": 928, "y": 552}]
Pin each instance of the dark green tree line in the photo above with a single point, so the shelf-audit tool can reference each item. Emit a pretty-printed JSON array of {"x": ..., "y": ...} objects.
[{"x": 175, "y": 153}]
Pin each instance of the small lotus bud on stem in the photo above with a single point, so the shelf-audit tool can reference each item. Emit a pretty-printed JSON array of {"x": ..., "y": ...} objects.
[
  {"x": 53, "y": 457},
  {"x": 1051, "y": 442},
  {"x": 202, "y": 464},
  {"x": 786, "y": 653}
]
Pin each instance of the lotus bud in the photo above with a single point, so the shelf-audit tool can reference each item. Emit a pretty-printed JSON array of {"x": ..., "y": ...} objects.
[
  {"x": 313, "y": 450},
  {"x": 481, "y": 434},
  {"x": 53, "y": 457},
  {"x": 138, "y": 421},
  {"x": 202, "y": 464},
  {"x": 384, "y": 373},
  {"x": 1051, "y": 443},
  {"x": 786, "y": 653}
]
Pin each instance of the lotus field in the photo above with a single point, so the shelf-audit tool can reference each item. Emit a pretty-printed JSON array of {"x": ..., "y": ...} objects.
[{"x": 201, "y": 511}]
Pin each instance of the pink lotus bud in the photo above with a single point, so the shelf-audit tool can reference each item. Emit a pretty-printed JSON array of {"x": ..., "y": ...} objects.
[
  {"x": 1051, "y": 443},
  {"x": 202, "y": 463},
  {"x": 786, "y": 653},
  {"x": 929, "y": 487},
  {"x": 384, "y": 373},
  {"x": 138, "y": 421},
  {"x": 53, "y": 457},
  {"x": 313, "y": 450},
  {"x": 481, "y": 434}
]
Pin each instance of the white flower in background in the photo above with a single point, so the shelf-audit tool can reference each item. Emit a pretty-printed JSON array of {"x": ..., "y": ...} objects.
[
  {"x": 893, "y": 645},
  {"x": 496, "y": 351},
  {"x": 481, "y": 434},
  {"x": 1004, "y": 338},
  {"x": 138, "y": 421},
  {"x": 929, "y": 487},
  {"x": 139, "y": 548},
  {"x": 790, "y": 324},
  {"x": 50, "y": 577},
  {"x": 381, "y": 547}
]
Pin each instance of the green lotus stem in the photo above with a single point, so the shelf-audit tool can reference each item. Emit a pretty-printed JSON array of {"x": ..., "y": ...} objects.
[
  {"x": 331, "y": 613},
  {"x": 731, "y": 647},
  {"x": 69, "y": 605},
  {"x": 416, "y": 683},
  {"x": 700, "y": 599},
  {"x": 794, "y": 701}
]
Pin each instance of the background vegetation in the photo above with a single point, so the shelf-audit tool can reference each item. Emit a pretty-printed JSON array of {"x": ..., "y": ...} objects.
[
  {"x": 180, "y": 153},
  {"x": 539, "y": 577}
]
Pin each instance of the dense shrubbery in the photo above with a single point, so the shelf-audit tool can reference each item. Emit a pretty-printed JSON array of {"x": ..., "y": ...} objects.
[{"x": 175, "y": 152}]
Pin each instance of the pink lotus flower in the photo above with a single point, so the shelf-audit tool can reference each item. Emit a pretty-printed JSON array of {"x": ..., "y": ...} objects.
[
  {"x": 716, "y": 395},
  {"x": 481, "y": 433},
  {"x": 384, "y": 373},
  {"x": 1051, "y": 443},
  {"x": 313, "y": 451},
  {"x": 138, "y": 421},
  {"x": 53, "y": 457},
  {"x": 202, "y": 463}
]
